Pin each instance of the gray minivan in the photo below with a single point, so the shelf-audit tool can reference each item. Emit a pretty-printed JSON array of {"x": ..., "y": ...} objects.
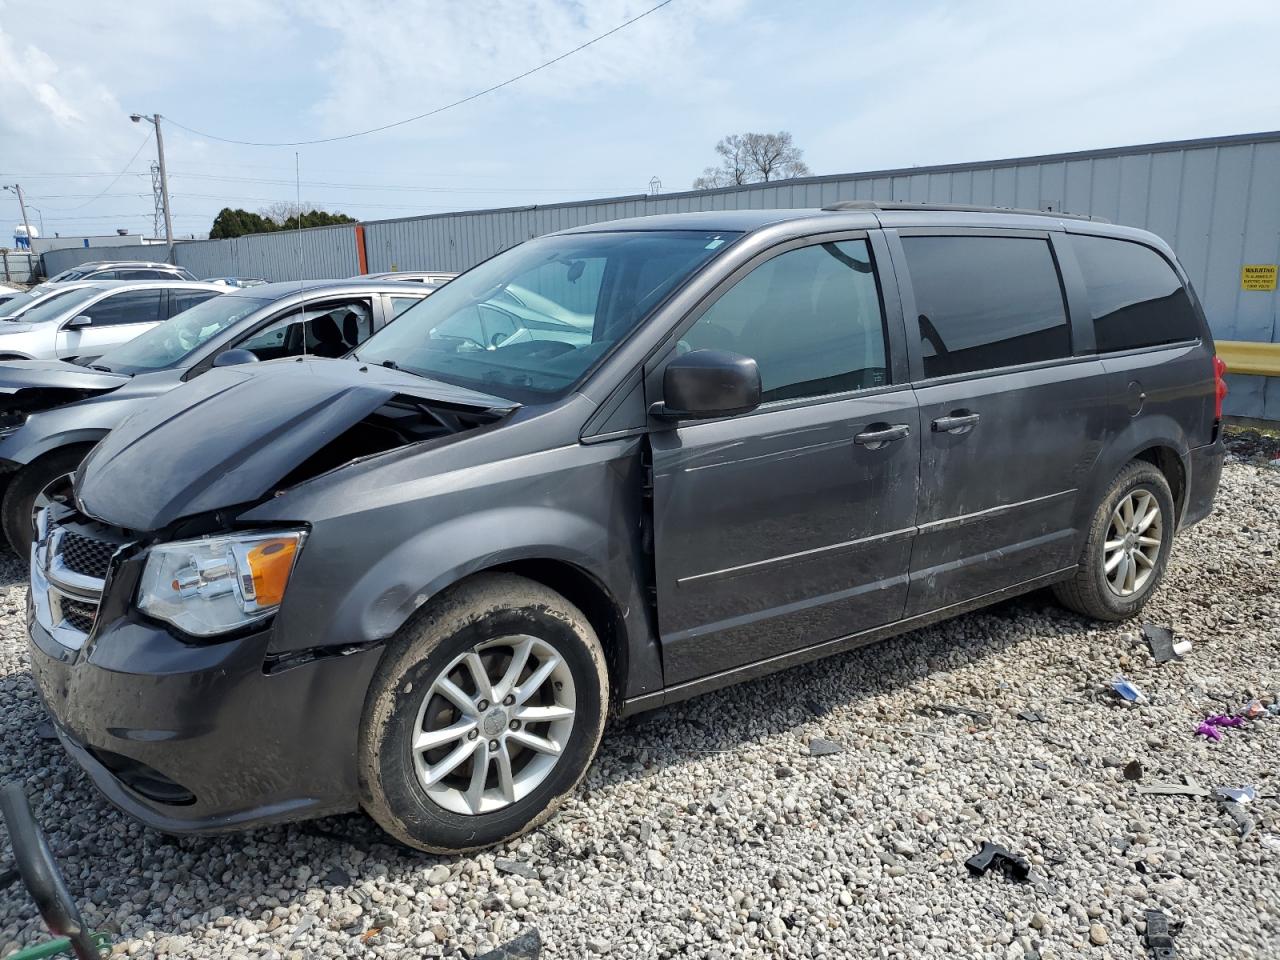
[{"x": 417, "y": 580}]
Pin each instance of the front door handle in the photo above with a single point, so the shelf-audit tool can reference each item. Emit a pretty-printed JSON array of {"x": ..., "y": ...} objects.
[
  {"x": 879, "y": 434},
  {"x": 960, "y": 421}
]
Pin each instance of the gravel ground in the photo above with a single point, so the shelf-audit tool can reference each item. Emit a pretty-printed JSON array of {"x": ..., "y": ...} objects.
[{"x": 710, "y": 830}]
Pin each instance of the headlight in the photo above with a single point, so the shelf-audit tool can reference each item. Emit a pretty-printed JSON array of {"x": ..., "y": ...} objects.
[{"x": 216, "y": 584}]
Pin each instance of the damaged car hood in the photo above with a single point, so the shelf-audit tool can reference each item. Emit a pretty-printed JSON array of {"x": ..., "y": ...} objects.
[
  {"x": 18, "y": 375},
  {"x": 232, "y": 436}
]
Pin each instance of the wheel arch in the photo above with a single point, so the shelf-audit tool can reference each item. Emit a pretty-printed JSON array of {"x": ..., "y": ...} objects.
[
  {"x": 593, "y": 598},
  {"x": 1165, "y": 459}
]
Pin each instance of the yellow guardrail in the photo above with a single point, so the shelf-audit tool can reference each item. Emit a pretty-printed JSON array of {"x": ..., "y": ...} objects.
[{"x": 1246, "y": 356}]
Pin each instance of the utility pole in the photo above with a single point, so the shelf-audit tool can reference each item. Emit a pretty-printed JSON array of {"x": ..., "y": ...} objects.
[
  {"x": 157, "y": 214},
  {"x": 22, "y": 205},
  {"x": 164, "y": 177}
]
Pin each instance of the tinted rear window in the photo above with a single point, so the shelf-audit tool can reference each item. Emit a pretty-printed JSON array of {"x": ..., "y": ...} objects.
[
  {"x": 1135, "y": 298},
  {"x": 986, "y": 302}
]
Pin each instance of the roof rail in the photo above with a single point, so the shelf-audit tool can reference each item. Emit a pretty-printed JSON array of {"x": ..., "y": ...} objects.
[{"x": 953, "y": 208}]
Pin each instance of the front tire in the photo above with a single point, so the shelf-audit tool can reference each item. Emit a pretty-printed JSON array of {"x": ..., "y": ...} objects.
[
  {"x": 483, "y": 716},
  {"x": 47, "y": 477},
  {"x": 1125, "y": 554}
]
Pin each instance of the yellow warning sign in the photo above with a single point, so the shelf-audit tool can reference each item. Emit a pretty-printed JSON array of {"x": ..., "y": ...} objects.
[{"x": 1258, "y": 276}]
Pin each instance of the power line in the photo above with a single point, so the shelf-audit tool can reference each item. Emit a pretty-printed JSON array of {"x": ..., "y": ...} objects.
[
  {"x": 429, "y": 113},
  {"x": 81, "y": 206}
]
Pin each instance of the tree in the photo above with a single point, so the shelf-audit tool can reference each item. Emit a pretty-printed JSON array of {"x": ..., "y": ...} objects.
[
  {"x": 236, "y": 223},
  {"x": 315, "y": 218},
  {"x": 754, "y": 158}
]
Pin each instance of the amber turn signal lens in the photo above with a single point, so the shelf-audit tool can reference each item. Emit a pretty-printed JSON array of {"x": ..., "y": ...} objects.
[{"x": 270, "y": 563}]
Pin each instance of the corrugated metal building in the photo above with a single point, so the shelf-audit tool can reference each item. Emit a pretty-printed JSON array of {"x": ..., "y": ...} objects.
[{"x": 1216, "y": 200}]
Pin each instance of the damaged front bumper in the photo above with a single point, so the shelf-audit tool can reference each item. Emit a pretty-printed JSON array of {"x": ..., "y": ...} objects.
[{"x": 195, "y": 738}]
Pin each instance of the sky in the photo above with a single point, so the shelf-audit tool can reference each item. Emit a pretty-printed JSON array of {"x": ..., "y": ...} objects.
[{"x": 860, "y": 86}]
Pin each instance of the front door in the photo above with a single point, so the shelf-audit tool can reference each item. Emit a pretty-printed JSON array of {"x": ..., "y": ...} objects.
[
  {"x": 114, "y": 319},
  {"x": 1012, "y": 421},
  {"x": 790, "y": 525}
]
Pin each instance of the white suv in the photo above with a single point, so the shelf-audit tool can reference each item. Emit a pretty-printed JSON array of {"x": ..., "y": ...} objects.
[{"x": 86, "y": 321}]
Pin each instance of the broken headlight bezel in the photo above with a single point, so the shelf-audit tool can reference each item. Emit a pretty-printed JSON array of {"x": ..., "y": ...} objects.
[{"x": 219, "y": 584}]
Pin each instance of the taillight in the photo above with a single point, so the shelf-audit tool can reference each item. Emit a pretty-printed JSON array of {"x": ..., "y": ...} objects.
[{"x": 1219, "y": 386}]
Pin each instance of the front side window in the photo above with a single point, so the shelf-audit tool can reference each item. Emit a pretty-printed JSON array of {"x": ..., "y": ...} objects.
[
  {"x": 129, "y": 306},
  {"x": 168, "y": 343},
  {"x": 1135, "y": 298},
  {"x": 328, "y": 329},
  {"x": 55, "y": 306},
  {"x": 531, "y": 322},
  {"x": 986, "y": 302},
  {"x": 810, "y": 318}
]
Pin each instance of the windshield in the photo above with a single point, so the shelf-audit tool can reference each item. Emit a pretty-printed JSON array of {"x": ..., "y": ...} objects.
[
  {"x": 175, "y": 339},
  {"x": 532, "y": 321},
  {"x": 54, "y": 306},
  {"x": 13, "y": 303}
]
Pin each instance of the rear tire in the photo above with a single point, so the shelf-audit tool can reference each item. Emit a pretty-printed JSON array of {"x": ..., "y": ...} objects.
[
  {"x": 1123, "y": 560},
  {"x": 445, "y": 769},
  {"x": 27, "y": 485}
]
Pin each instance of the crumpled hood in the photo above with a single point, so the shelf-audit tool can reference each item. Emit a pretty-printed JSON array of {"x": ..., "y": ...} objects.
[
  {"x": 18, "y": 375},
  {"x": 230, "y": 436}
]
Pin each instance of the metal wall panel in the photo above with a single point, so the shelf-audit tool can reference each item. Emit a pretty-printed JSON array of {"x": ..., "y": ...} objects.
[
  {"x": 320, "y": 253},
  {"x": 1215, "y": 201}
]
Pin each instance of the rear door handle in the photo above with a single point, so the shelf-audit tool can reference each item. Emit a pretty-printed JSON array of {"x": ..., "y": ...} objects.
[
  {"x": 880, "y": 435},
  {"x": 960, "y": 421}
]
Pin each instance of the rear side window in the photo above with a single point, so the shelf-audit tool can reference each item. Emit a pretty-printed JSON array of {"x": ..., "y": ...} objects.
[
  {"x": 810, "y": 318},
  {"x": 986, "y": 302},
  {"x": 131, "y": 306},
  {"x": 1135, "y": 298},
  {"x": 180, "y": 300}
]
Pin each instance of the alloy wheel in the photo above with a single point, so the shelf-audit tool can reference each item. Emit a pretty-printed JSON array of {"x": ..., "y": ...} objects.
[
  {"x": 1133, "y": 543},
  {"x": 493, "y": 724}
]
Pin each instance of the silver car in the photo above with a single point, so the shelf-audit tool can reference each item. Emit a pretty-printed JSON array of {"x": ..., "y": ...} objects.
[
  {"x": 120, "y": 270},
  {"x": 84, "y": 322}
]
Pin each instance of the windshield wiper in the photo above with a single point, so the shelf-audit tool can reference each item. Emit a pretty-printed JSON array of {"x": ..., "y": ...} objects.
[{"x": 390, "y": 364}]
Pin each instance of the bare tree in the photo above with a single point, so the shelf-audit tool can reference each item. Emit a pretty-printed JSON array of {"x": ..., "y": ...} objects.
[
  {"x": 754, "y": 158},
  {"x": 283, "y": 210}
]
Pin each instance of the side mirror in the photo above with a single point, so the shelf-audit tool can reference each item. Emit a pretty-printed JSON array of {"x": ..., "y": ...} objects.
[
  {"x": 234, "y": 356},
  {"x": 75, "y": 323},
  {"x": 708, "y": 383}
]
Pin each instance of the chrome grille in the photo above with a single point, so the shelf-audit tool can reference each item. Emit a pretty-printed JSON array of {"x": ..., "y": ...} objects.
[
  {"x": 87, "y": 557},
  {"x": 70, "y": 561}
]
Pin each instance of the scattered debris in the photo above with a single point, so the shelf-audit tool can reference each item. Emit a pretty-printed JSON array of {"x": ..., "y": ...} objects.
[
  {"x": 337, "y": 877},
  {"x": 527, "y": 946},
  {"x": 1159, "y": 938},
  {"x": 1126, "y": 690},
  {"x": 45, "y": 731},
  {"x": 1245, "y": 794},
  {"x": 1209, "y": 732},
  {"x": 1269, "y": 840},
  {"x": 816, "y": 708},
  {"x": 1236, "y": 812},
  {"x": 1224, "y": 720},
  {"x": 823, "y": 748},
  {"x": 1133, "y": 770},
  {"x": 1252, "y": 710},
  {"x": 1182, "y": 648},
  {"x": 1160, "y": 640},
  {"x": 992, "y": 855},
  {"x": 521, "y": 869},
  {"x": 1032, "y": 716},
  {"x": 1175, "y": 789},
  {"x": 983, "y": 718}
]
